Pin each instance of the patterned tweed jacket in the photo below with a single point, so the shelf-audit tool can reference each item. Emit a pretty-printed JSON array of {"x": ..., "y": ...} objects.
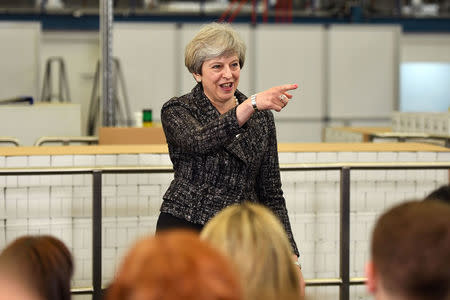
[{"x": 218, "y": 163}]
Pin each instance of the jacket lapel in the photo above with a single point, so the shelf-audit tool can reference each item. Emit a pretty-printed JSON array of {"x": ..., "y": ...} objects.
[{"x": 207, "y": 112}]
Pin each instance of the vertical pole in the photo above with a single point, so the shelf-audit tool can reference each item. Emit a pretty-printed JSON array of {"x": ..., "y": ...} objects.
[
  {"x": 344, "y": 247},
  {"x": 106, "y": 24},
  {"x": 97, "y": 234}
]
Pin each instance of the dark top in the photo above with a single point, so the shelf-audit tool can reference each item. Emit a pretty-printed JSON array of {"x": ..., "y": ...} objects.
[{"x": 217, "y": 163}]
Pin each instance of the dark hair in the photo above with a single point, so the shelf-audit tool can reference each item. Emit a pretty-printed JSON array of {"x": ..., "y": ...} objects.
[
  {"x": 43, "y": 263},
  {"x": 175, "y": 265},
  {"x": 440, "y": 194},
  {"x": 411, "y": 248}
]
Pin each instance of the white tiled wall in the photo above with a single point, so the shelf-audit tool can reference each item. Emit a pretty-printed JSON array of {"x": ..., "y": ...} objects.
[{"x": 61, "y": 205}]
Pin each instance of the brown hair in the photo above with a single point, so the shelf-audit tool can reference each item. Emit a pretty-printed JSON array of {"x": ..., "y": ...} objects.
[
  {"x": 440, "y": 194},
  {"x": 411, "y": 250},
  {"x": 43, "y": 263},
  {"x": 174, "y": 265}
]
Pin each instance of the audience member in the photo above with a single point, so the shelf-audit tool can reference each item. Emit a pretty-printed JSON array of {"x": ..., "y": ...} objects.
[
  {"x": 36, "y": 268},
  {"x": 175, "y": 265},
  {"x": 410, "y": 253},
  {"x": 440, "y": 194},
  {"x": 256, "y": 242}
]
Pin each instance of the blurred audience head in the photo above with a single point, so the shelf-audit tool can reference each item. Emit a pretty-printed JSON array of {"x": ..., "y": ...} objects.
[
  {"x": 410, "y": 253},
  {"x": 175, "y": 265},
  {"x": 440, "y": 194},
  {"x": 256, "y": 242},
  {"x": 36, "y": 268}
]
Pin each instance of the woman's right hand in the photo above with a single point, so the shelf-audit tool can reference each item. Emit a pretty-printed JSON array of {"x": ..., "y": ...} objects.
[{"x": 275, "y": 98}]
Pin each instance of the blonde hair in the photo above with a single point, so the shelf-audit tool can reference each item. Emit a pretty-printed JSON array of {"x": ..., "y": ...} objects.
[
  {"x": 257, "y": 244},
  {"x": 213, "y": 40}
]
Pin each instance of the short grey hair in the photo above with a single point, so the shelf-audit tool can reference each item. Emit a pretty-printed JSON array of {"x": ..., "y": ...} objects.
[{"x": 213, "y": 40}]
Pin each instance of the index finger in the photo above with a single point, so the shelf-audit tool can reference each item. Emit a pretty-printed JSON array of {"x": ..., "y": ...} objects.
[{"x": 288, "y": 87}]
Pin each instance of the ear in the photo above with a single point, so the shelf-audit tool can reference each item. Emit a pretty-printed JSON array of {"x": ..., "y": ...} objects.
[
  {"x": 197, "y": 77},
  {"x": 371, "y": 275}
]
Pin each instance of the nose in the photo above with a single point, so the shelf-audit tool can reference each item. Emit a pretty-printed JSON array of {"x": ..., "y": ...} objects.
[{"x": 227, "y": 72}]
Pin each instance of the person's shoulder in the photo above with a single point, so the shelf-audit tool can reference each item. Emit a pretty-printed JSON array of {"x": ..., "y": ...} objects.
[{"x": 183, "y": 100}]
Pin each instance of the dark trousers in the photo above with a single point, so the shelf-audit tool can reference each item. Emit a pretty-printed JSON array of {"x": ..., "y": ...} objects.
[{"x": 167, "y": 221}]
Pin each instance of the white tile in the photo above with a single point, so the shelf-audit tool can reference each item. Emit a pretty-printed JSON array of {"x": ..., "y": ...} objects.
[
  {"x": 426, "y": 156},
  {"x": 407, "y": 156},
  {"x": 56, "y": 180},
  {"x": 2, "y": 161},
  {"x": 16, "y": 161},
  {"x": 23, "y": 180},
  {"x": 154, "y": 178},
  {"x": 375, "y": 175},
  {"x": 121, "y": 179},
  {"x": 165, "y": 160},
  {"x": 325, "y": 157},
  {"x": 127, "y": 190},
  {"x": 287, "y": 157},
  {"x": 39, "y": 160},
  {"x": 39, "y": 201},
  {"x": 142, "y": 178},
  {"x": 105, "y": 160},
  {"x": 395, "y": 175},
  {"x": 367, "y": 156},
  {"x": 15, "y": 199},
  {"x": 133, "y": 179},
  {"x": 2, "y": 181},
  {"x": 15, "y": 228},
  {"x": 149, "y": 159},
  {"x": 127, "y": 159},
  {"x": 62, "y": 229},
  {"x": 83, "y": 160},
  {"x": 133, "y": 205},
  {"x": 307, "y": 157},
  {"x": 110, "y": 179},
  {"x": 109, "y": 207},
  {"x": 443, "y": 156},
  {"x": 149, "y": 190},
  {"x": 62, "y": 160},
  {"x": 347, "y": 157},
  {"x": 2, "y": 208},
  {"x": 45, "y": 179},
  {"x": 143, "y": 203},
  {"x": 387, "y": 156},
  {"x": 291, "y": 176},
  {"x": 11, "y": 181}
]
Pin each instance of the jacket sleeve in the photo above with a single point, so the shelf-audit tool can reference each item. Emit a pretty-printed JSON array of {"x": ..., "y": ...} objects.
[
  {"x": 184, "y": 131},
  {"x": 269, "y": 184}
]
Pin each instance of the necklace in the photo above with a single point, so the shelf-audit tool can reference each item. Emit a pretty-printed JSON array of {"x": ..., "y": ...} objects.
[{"x": 236, "y": 100}]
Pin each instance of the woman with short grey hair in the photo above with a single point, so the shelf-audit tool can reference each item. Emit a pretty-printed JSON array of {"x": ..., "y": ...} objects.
[{"x": 222, "y": 143}]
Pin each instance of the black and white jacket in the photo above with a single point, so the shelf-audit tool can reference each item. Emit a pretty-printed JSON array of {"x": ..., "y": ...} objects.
[{"x": 217, "y": 163}]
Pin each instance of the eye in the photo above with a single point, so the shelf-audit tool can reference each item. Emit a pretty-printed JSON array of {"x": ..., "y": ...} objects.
[
  {"x": 235, "y": 65},
  {"x": 216, "y": 66}
]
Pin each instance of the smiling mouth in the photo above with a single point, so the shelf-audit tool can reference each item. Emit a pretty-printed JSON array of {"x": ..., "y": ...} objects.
[{"x": 227, "y": 85}]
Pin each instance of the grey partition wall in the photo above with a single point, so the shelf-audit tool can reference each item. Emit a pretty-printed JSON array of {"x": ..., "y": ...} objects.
[
  {"x": 20, "y": 53},
  {"x": 294, "y": 54},
  {"x": 363, "y": 71},
  {"x": 147, "y": 52}
]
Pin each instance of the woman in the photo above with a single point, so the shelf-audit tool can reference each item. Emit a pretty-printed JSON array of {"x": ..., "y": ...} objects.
[
  {"x": 222, "y": 144},
  {"x": 172, "y": 266},
  {"x": 39, "y": 267},
  {"x": 255, "y": 241}
]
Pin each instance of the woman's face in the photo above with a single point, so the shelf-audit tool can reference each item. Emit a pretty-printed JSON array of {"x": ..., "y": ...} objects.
[{"x": 220, "y": 78}]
